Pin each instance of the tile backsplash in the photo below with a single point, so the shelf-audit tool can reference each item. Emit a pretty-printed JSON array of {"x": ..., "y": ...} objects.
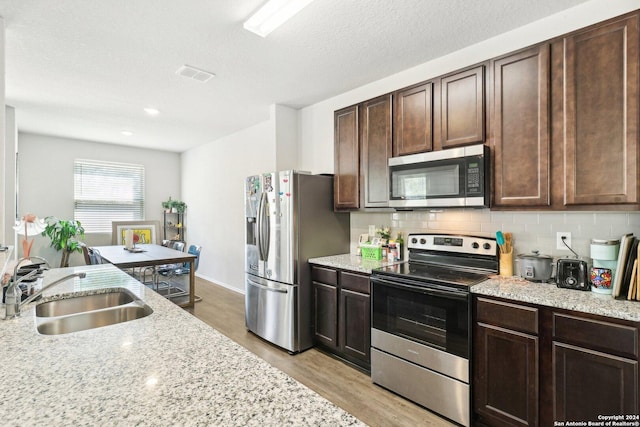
[{"x": 531, "y": 230}]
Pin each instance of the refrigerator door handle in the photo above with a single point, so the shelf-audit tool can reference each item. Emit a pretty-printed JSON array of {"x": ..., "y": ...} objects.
[
  {"x": 265, "y": 228},
  {"x": 261, "y": 226},
  {"x": 267, "y": 288}
]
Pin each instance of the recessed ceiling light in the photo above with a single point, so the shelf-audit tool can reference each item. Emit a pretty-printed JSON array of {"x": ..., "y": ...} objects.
[
  {"x": 126, "y": 132},
  {"x": 273, "y": 14},
  {"x": 151, "y": 111}
]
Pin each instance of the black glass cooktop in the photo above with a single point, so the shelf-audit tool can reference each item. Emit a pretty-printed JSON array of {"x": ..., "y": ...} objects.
[{"x": 433, "y": 273}]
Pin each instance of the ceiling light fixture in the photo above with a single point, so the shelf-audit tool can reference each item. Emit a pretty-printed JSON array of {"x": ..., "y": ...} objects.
[
  {"x": 151, "y": 111},
  {"x": 273, "y": 14},
  {"x": 126, "y": 132}
]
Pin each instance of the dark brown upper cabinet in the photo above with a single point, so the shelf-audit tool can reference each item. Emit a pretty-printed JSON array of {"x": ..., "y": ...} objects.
[
  {"x": 346, "y": 181},
  {"x": 598, "y": 120},
  {"x": 413, "y": 120},
  {"x": 375, "y": 147},
  {"x": 520, "y": 131},
  {"x": 462, "y": 104}
]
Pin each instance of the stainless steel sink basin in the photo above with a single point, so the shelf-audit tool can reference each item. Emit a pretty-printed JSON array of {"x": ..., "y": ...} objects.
[
  {"x": 79, "y": 313},
  {"x": 92, "y": 319},
  {"x": 83, "y": 303}
]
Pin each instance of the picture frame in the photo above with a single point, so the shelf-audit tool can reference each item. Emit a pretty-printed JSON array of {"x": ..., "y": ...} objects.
[{"x": 146, "y": 230}]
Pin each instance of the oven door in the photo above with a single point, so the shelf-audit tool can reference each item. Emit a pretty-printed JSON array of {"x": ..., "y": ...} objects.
[{"x": 432, "y": 315}]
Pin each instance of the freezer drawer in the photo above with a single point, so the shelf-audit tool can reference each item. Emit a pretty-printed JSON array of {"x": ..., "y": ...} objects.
[{"x": 271, "y": 311}]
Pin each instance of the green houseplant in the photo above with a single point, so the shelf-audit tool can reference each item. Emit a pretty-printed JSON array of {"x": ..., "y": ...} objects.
[
  {"x": 63, "y": 235},
  {"x": 180, "y": 206}
]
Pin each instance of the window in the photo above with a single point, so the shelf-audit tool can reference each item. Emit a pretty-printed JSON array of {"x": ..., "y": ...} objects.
[{"x": 106, "y": 192}]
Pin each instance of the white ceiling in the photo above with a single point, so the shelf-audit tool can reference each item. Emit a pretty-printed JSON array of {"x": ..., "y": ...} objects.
[{"x": 86, "y": 69}]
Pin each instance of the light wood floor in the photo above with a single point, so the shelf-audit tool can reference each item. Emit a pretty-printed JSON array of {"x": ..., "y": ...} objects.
[{"x": 341, "y": 384}]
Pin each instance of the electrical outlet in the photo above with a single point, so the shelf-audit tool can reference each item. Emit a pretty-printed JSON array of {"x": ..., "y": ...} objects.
[{"x": 567, "y": 240}]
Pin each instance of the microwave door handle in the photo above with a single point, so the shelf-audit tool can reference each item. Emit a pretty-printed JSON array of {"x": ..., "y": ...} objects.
[{"x": 436, "y": 292}]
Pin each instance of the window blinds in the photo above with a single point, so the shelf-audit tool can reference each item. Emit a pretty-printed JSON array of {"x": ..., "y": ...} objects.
[{"x": 106, "y": 192}]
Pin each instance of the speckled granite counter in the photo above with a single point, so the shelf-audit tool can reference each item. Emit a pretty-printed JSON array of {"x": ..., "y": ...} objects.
[
  {"x": 516, "y": 289},
  {"x": 350, "y": 262},
  {"x": 550, "y": 295},
  {"x": 165, "y": 369}
]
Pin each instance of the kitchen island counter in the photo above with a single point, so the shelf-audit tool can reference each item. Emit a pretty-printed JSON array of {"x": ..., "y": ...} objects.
[
  {"x": 548, "y": 294},
  {"x": 168, "y": 368}
]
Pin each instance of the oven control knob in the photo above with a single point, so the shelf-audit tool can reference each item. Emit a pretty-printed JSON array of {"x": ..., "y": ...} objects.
[
  {"x": 414, "y": 240},
  {"x": 486, "y": 246},
  {"x": 475, "y": 245},
  {"x": 423, "y": 241}
]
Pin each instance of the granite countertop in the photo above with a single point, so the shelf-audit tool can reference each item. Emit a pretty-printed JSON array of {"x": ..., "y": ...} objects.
[
  {"x": 351, "y": 262},
  {"x": 168, "y": 368},
  {"x": 548, "y": 294},
  {"x": 514, "y": 288}
]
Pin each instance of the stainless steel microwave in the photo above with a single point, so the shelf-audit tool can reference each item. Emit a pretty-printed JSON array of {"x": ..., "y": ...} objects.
[{"x": 456, "y": 177}]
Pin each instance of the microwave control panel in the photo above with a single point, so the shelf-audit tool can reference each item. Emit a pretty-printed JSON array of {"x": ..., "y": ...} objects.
[{"x": 475, "y": 173}]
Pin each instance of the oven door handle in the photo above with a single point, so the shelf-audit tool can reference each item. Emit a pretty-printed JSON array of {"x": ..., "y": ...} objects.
[{"x": 426, "y": 290}]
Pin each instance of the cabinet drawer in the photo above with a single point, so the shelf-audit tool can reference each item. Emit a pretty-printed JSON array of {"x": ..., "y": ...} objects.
[
  {"x": 596, "y": 334},
  {"x": 507, "y": 315},
  {"x": 354, "y": 282},
  {"x": 324, "y": 275}
]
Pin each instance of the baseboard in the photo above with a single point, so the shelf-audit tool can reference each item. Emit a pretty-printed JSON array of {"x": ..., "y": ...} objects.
[{"x": 219, "y": 283}]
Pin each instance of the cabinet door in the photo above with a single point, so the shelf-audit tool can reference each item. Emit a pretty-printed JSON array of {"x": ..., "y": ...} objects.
[
  {"x": 520, "y": 127},
  {"x": 325, "y": 299},
  {"x": 505, "y": 367},
  {"x": 346, "y": 179},
  {"x": 413, "y": 120},
  {"x": 355, "y": 325},
  {"x": 462, "y": 108},
  {"x": 588, "y": 383},
  {"x": 375, "y": 125},
  {"x": 601, "y": 114}
]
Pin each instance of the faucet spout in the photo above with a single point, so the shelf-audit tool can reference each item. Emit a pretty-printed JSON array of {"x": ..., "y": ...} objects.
[{"x": 13, "y": 309}]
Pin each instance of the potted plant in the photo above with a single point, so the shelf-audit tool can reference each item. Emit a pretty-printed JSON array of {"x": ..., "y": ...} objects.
[
  {"x": 167, "y": 205},
  {"x": 180, "y": 206},
  {"x": 63, "y": 236}
]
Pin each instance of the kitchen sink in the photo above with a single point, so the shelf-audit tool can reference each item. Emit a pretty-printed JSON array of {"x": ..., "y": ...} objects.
[
  {"x": 79, "y": 313},
  {"x": 83, "y": 303}
]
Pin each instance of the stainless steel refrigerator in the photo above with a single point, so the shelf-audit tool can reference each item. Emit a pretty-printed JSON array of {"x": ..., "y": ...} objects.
[{"x": 289, "y": 218}]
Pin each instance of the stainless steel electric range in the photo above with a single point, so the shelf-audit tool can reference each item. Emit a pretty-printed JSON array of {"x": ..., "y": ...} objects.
[{"x": 421, "y": 320}]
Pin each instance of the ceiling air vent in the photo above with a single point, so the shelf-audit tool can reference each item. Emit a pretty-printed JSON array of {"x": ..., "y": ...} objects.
[{"x": 194, "y": 73}]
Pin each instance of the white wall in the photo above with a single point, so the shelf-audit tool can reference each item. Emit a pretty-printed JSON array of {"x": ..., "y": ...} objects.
[
  {"x": 213, "y": 186},
  {"x": 3, "y": 148},
  {"x": 9, "y": 182},
  {"x": 45, "y": 174}
]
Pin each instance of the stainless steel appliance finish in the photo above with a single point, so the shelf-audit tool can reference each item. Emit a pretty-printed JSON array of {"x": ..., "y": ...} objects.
[
  {"x": 446, "y": 178},
  {"x": 421, "y": 321},
  {"x": 289, "y": 218},
  {"x": 535, "y": 266}
]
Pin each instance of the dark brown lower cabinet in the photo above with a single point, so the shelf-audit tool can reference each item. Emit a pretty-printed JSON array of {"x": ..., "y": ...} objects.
[
  {"x": 589, "y": 384},
  {"x": 536, "y": 365},
  {"x": 342, "y": 314},
  {"x": 326, "y": 314},
  {"x": 507, "y": 377}
]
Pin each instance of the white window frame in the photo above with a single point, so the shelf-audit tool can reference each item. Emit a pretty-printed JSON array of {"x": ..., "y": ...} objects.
[{"x": 107, "y": 191}]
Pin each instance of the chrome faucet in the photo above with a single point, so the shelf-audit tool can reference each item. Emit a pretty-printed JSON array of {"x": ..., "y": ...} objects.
[{"x": 12, "y": 308}]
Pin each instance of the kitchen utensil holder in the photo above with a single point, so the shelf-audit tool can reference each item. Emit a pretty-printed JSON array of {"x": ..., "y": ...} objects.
[{"x": 506, "y": 264}]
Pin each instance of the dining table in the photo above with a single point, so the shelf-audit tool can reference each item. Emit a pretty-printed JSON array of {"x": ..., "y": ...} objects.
[{"x": 147, "y": 255}]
